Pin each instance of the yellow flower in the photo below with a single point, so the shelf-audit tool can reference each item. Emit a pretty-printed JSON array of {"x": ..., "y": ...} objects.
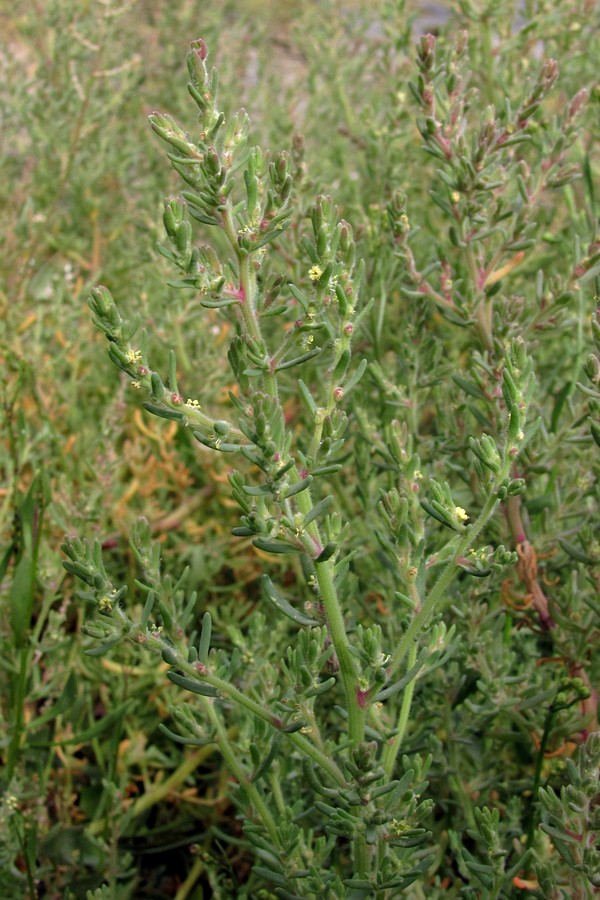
[
  {"x": 460, "y": 513},
  {"x": 105, "y": 604},
  {"x": 315, "y": 273}
]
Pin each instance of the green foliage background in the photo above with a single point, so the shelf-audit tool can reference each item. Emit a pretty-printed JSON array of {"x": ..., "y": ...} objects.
[{"x": 94, "y": 794}]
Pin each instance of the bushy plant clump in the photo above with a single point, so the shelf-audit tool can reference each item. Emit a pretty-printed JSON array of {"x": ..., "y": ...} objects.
[{"x": 389, "y": 670}]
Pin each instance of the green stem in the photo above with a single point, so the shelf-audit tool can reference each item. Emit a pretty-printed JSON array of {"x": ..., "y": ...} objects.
[
  {"x": 392, "y": 748},
  {"x": 323, "y": 412},
  {"x": 337, "y": 631},
  {"x": 19, "y": 701},
  {"x": 188, "y": 885},
  {"x": 454, "y": 773},
  {"x": 361, "y": 856},
  {"x": 422, "y": 616},
  {"x": 488, "y": 56},
  {"x": 248, "y": 286},
  {"x": 160, "y": 791},
  {"x": 356, "y": 712},
  {"x": 22, "y": 834},
  {"x": 229, "y": 229},
  {"x": 538, "y": 773},
  {"x": 236, "y": 769},
  {"x": 228, "y": 690},
  {"x": 483, "y": 305},
  {"x": 182, "y": 356},
  {"x": 157, "y": 644},
  {"x": 249, "y": 290},
  {"x": 382, "y": 850},
  {"x": 319, "y": 421},
  {"x": 275, "y": 782}
]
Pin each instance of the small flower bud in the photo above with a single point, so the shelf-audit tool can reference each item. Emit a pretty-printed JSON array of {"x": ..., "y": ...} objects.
[
  {"x": 201, "y": 49},
  {"x": 426, "y": 51},
  {"x": 578, "y": 102},
  {"x": 592, "y": 368}
]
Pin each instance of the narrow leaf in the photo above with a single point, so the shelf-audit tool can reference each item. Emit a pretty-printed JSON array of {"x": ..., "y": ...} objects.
[
  {"x": 283, "y": 605},
  {"x": 195, "y": 687}
]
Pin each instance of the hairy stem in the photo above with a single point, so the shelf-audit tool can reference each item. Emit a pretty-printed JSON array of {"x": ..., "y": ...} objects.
[{"x": 392, "y": 748}]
